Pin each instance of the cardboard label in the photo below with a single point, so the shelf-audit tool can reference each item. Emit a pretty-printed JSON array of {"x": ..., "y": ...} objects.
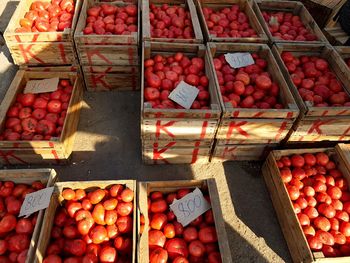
[
  {"x": 239, "y": 60},
  {"x": 184, "y": 94},
  {"x": 36, "y": 201},
  {"x": 41, "y": 86},
  {"x": 190, "y": 207}
]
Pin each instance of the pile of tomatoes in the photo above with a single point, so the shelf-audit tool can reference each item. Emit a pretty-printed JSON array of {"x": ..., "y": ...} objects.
[
  {"x": 170, "y": 22},
  {"x": 163, "y": 74},
  {"x": 48, "y": 17},
  {"x": 228, "y": 22},
  {"x": 38, "y": 116},
  {"x": 247, "y": 87},
  {"x": 169, "y": 241},
  {"x": 108, "y": 19},
  {"x": 287, "y": 26},
  {"x": 15, "y": 232},
  {"x": 93, "y": 227},
  {"x": 315, "y": 81},
  {"x": 321, "y": 200}
]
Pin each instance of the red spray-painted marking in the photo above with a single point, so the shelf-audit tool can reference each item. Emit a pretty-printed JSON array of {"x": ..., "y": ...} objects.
[
  {"x": 98, "y": 78},
  {"x": 233, "y": 125},
  {"x": 157, "y": 153},
  {"x": 283, "y": 127},
  {"x": 230, "y": 152},
  {"x": 63, "y": 54},
  {"x": 164, "y": 127},
  {"x": 316, "y": 126},
  {"x": 54, "y": 153}
]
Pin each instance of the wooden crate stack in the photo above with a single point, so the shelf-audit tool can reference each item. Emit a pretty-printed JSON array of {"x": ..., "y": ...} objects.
[
  {"x": 246, "y": 134},
  {"x": 288, "y": 220},
  {"x": 187, "y": 4},
  {"x": 145, "y": 188},
  {"x": 55, "y": 150},
  {"x": 317, "y": 123},
  {"x": 178, "y": 135},
  {"x": 295, "y": 7},
  {"x": 109, "y": 62},
  {"x": 43, "y": 49},
  {"x": 245, "y": 6}
]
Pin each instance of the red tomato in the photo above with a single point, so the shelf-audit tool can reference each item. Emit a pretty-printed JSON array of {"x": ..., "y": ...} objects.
[
  {"x": 156, "y": 239},
  {"x": 97, "y": 196},
  {"x": 322, "y": 159},
  {"x": 158, "y": 255},
  {"x": 196, "y": 248},
  {"x": 159, "y": 206},
  {"x": 108, "y": 254},
  {"x": 98, "y": 234},
  {"x": 322, "y": 223},
  {"x": 207, "y": 235},
  {"x": 54, "y": 106},
  {"x": 124, "y": 224},
  {"x": 176, "y": 247},
  {"x": 325, "y": 237}
]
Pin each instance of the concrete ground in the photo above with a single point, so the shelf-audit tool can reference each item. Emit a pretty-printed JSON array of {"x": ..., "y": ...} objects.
[{"x": 108, "y": 146}]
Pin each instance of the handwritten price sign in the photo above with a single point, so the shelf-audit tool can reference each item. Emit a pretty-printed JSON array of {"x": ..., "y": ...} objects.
[
  {"x": 190, "y": 207},
  {"x": 184, "y": 94},
  {"x": 36, "y": 201},
  {"x": 239, "y": 60}
]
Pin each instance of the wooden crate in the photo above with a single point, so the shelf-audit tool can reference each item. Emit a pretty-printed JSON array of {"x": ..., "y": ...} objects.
[
  {"x": 145, "y": 188},
  {"x": 317, "y": 123},
  {"x": 56, "y": 150},
  {"x": 176, "y": 152},
  {"x": 28, "y": 176},
  {"x": 287, "y": 218},
  {"x": 295, "y": 7},
  {"x": 57, "y": 200},
  {"x": 105, "y": 78},
  {"x": 44, "y": 48},
  {"x": 336, "y": 35},
  {"x": 343, "y": 151},
  {"x": 188, "y": 4},
  {"x": 241, "y": 152},
  {"x": 254, "y": 125},
  {"x": 66, "y": 68},
  {"x": 105, "y": 50},
  {"x": 344, "y": 52},
  {"x": 246, "y": 6}
]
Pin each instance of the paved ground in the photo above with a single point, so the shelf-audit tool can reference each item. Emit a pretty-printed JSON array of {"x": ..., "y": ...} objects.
[{"x": 107, "y": 146}]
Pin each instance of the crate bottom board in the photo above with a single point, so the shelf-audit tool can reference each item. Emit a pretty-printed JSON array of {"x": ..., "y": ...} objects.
[
  {"x": 241, "y": 152},
  {"x": 169, "y": 154}
]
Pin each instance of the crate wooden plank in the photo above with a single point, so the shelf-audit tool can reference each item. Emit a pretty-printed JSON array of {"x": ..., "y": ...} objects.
[
  {"x": 248, "y": 130},
  {"x": 321, "y": 129},
  {"x": 188, "y": 4},
  {"x": 245, "y": 6},
  {"x": 28, "y": 176},
  {"x": 175, "y": 155},
  {"x": 335, "y": 34},
  {"x": 54, "y": 149},
  {"x": 57, "y": 200},
  {"x": 336, "y": 64},
  {"x": 43, "y": 47},
  {"x": 295, "y": 7},
  {"x": 240, "y": 152},
  {"x": 343, "y": 151},
  {"x": 152, "y": 48},
  {"x": 344, "y": 52},
  {"x": 49, "y": 68},
  {"x": 106, "y": 78},
  {"x": 290, "y": 111},
  {"x": 147, "y": 187},
  {"x": 126, "y": 55},
  {"x": 290, "y": 226},
  {"x": 178, "y": 129},
  {"x": 177, "y": 143}
]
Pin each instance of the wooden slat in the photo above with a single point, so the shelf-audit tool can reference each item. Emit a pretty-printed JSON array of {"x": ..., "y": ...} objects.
[
  {"x": 147, "y": 187},
  {"x": 57, "y": 199},
  {"x": 239, "y": 152},
  {"x": 246, "y": 7},
  {"x": 187, "y": 4},
  {"x": 297, "y": 8},
  {"x": 289, "y": 112}
]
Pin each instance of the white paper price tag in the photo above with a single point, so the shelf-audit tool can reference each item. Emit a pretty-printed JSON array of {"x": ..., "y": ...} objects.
[
  {"x": 36, "y": 201},
  {"x": 41, "y": 86},
  {"x": 239, "y": 60},
  {"x": 184, "y": 94},
  {"x": 190, "y": 207}
]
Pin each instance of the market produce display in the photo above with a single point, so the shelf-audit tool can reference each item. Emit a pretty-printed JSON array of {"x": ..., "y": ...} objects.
[
  {"x": 38, "y": 116},
  {"x": 164, "y": 73},
  {"x": 286, "y": 26},
  {"x": 247, "y": 87},
  {"x": 108, "y": 19},
  {"x": 169, "y": 241},
  {"x": 228, "y": 22},
  {"x": 94, "y": 226},
  {"x": 170, "y": 21},
  {"x": 15, "y": 232},
  {"x": 48, "y": 17},
  {"x": 321, "y": 199},
  {"x": 315, "y": 81}
]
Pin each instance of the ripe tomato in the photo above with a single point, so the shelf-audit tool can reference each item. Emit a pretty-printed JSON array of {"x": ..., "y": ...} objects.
[
  {"x": 322, "y": 223},
  {"x": 207, "y": 235},
  {"x": 54, "y": 106},
  {"x": 156, "y": 239},
  {"x": 124, "y": 224},
  {"x": 125, "y": 209},
  {"x": 158, "y": 255},
  {"x": 169, "y": 231},
  {"x": 325, "y": 237},
  {"x": 176, "y": 247},
  {"x": 96, "y": 196},
  {"x": 127, "y": 195},
  {"x": 98, "y": 234}
]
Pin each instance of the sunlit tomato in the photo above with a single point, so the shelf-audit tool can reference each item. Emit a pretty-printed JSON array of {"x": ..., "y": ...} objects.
[
  {"x": 158, "y": 255},
  {"x": 159, "y": 206},
  {"x": 176, "y": 247},
  {"x": 322, "y": 223},
  {"x": 156, "y": 239}
]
